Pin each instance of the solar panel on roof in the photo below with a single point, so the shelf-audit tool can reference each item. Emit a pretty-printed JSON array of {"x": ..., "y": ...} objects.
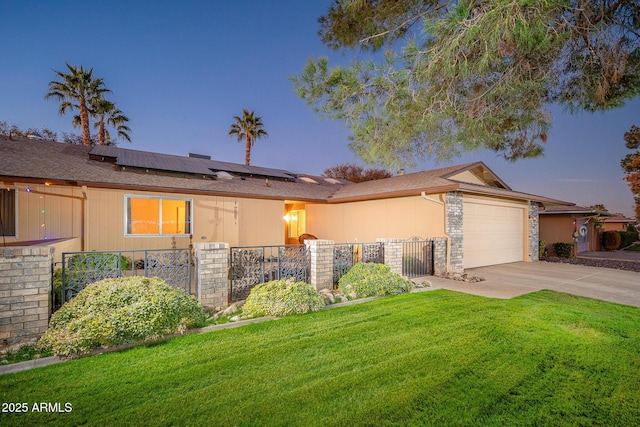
[{"x": 191, "y": 165}]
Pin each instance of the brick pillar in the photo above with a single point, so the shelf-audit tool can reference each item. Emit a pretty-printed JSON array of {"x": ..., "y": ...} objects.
[
  {"x": 25, "y": 293},
  {"x": 213, "y": 274},
  {"x": 534, "y": 231},
  {"x": 454, "y": 212},
  {"x": 392, "y": 253},
  {"x": 439, "y": 255},
  {"x": 321, "y": 252}
]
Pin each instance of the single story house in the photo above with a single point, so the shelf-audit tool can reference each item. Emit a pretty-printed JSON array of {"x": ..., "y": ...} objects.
[
  {"x": 111, "y": 198},
  {"x": 571, "y": 224},
  {"x": 617, "y": 222}
]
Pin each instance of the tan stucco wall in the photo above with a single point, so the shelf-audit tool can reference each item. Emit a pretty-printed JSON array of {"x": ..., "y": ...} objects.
[
  {"x": 236, "y": 221},
  {"x": 556, "y": 229},
  {"x": 47, "y": 212},
  {"x": 397, "y": 218},
  {"x": 614, "y": 226},
  {"x": 98, "y": 221}
]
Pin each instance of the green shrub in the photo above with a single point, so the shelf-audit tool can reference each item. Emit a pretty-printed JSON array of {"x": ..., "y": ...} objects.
[
  {"x": 629, "y": 237},
  {"x": 611, "y": 240},
  {"x": 118, "y": 311},
  {"x": 104, "y": 261},
  {"x": 542, "y": 247},
  {"x": 370, "y": 279},
  {"x": 57, "y": 285},
  {"x": 282, "y": 297},
  {"x": 563, "y": 250}
]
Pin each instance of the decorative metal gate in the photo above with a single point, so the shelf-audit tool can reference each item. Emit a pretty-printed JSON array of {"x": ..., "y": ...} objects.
[
  {"x": 251, "y": 265},
  {"x": 417, "y": 257},
  {"x": 346, "y": 255},
  {"x": 79, "y": 269}
]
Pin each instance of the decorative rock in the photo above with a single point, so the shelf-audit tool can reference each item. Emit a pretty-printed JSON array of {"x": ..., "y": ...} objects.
[
  {"x": 421, "y": 284},
  {"x": 462, "y": 277},
  {"x": 329, "y": 297},
  {"x": 233, "y": 308}
]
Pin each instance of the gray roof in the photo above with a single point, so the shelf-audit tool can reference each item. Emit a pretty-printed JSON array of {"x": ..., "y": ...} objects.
[
  {"x": 573, "y": 210},
  {"x": 37, "y": 161},
  {"x": 115, "y": 167},
  {"x": 173, "y": 163}
]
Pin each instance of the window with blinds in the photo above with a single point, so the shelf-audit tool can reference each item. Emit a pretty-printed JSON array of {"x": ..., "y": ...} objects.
[{"x": 8, "y": 212}]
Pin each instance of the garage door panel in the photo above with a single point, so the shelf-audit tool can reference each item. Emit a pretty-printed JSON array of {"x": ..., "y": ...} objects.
[{"x": 493, "y": 234}]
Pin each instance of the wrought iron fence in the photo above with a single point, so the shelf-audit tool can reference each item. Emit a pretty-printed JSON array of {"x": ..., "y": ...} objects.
[
  {"x": 347, "y": 254},
  {"x": 417, "y": 257},
  {"x": 79, "y": 269},
  {"x": 251, "y": 265}
]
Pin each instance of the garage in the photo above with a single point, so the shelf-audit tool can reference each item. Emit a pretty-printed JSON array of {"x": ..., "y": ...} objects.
[{"x": 493, "y": 232}]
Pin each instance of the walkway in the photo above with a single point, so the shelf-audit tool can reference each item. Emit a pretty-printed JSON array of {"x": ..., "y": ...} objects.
[{"x": 511, "y": 280}]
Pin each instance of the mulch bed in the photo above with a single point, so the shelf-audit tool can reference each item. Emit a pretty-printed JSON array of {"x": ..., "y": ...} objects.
[{"x": 604, "y": 263}]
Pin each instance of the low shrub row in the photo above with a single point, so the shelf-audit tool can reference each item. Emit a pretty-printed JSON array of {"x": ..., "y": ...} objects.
[
  {"x": 112, "y": 312},
  {"x": 614, "y": 240},
  {"x": 118, "y": 311},
  {"x": 370, "y": 279},
  {"x": 282, "y": 298},
  {"x": 563, "y": 250}
]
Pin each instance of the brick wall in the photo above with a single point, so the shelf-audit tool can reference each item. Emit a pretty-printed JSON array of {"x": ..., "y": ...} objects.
[
  {"x": 439, "y": 255},
  {"x": 321, "y": 252},
  {"x": 393, "y": 249},
  {"x": 454, "y": 230},
  {"x": 213, "y": 274},
  {"x": 534, "y": 231},
  {"x": 25, "y": 293}
]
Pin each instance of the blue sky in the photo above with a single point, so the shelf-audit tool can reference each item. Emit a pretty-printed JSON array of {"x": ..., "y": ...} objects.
[{"x": 182, "y": 70}]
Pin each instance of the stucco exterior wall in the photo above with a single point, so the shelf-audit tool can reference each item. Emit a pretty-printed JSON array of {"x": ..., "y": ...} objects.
[
  {"x": 402, "y": 217},
  {"x": 556, "y": 229},
  {"x": 236, "y": 221},
  {"x": 46, "y": 212},
  {"x": 97, "y": 221}
]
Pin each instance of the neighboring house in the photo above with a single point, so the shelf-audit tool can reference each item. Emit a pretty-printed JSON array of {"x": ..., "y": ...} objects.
[
  {"x": 110, "y": 198},
  {"x": 571, "y": 224},
  {"x": 617, "y": 222}
]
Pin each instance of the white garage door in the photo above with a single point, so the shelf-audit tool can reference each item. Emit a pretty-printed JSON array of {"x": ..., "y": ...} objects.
[{"x": 493, "y": 234}]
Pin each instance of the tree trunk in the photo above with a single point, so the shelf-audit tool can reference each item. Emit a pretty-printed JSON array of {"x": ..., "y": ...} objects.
[
  {"x": 84, "y": 122},
  {"x": 247, "y": 151},
  {"x": 101, "y": 137}
]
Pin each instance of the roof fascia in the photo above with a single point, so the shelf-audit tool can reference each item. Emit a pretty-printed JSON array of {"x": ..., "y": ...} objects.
[
  {"x": 394, "y": 194},
  {"x": 510, "y": 194},
  {"x": 471, "y": 166}
]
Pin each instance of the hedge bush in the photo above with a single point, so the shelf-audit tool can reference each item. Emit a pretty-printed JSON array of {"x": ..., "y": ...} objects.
[
  {"x": 282, "y": 297},
  {"x": 91, "y": 260},
  {"x": 611, "y": 240},
  {"x": 371, "y": 279},
  {"x": 542, "y": 247},
  {"x": 629, "y": 237},
  {"x": 119, "y": 311},
  {"x": 563, "y": 250}
]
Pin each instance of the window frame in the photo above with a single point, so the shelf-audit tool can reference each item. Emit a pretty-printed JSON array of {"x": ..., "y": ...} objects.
[
  {"x": 15, "y": 212},
  {"x": 188, "y": 220}
]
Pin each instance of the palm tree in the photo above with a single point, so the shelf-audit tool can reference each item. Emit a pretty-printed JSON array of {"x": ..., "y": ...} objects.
[
  {"x": 76, "y": 90},
  {"x": 106, "y": 113},
  {"x": 248, "y": 128}
]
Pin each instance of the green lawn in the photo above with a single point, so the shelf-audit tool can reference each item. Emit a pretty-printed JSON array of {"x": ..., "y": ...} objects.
[{"x": 430, "y": 358}]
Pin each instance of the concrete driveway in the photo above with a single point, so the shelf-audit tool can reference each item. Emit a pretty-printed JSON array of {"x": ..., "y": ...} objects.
[{"x": 511, "y": 280}]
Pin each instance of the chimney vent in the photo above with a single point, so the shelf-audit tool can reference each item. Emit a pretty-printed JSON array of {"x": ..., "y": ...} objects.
[{"x": 199, "y": 156}]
